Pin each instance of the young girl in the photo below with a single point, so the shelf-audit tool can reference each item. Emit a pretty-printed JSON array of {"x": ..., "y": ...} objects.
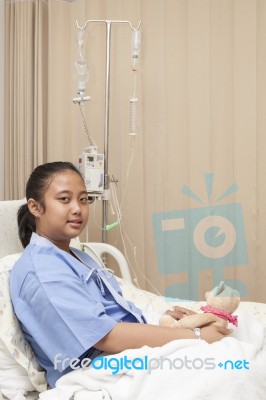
[{"x": 69, "y": 306}]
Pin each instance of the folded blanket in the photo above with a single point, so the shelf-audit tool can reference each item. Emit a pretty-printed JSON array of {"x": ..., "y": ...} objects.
[{"x": 191, "y": 369}]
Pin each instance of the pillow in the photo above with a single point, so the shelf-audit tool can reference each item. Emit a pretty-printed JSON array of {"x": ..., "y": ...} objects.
[
  {"x": 19, "y": 365},
  {"x": 9, "y": 239},
  {"x": 10, "y": 370},
  {"x": 153, "y": 306}
]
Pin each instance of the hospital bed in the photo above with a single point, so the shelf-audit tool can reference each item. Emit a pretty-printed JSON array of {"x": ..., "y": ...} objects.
[{"x": 21, "y": 377}]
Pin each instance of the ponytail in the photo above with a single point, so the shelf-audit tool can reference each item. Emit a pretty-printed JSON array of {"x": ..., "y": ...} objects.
[{"x": 26, "y": 224}]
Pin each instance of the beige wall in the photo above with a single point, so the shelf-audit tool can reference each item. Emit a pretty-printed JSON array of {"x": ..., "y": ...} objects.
[{"x": 202, "y": 92}]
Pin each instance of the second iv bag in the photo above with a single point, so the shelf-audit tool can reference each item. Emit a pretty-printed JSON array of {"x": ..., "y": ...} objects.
[{"x": 135, "y": 47}]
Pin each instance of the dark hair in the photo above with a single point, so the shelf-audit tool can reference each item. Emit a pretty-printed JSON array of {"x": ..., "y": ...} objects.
[{"x": 38, "y": 182}]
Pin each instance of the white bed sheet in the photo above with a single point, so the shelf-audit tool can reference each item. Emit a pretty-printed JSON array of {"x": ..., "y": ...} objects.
[{"x": 247, "y": 342}]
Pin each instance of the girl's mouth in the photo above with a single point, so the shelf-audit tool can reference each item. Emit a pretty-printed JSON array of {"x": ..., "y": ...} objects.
[{"x": 75, "y": 223}]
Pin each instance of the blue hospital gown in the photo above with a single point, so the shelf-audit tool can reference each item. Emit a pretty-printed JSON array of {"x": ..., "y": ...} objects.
[{"x": 60, "y": 305}]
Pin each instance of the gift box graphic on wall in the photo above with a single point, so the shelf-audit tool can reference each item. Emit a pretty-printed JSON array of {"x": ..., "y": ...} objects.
[{"x": 191, "y": 240}]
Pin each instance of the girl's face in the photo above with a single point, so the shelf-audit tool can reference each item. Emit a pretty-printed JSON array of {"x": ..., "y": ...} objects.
[{"x": 66, "y": 209}]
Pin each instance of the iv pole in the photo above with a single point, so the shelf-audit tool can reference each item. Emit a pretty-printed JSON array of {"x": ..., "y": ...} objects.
[{"x": 108, "y": 24}]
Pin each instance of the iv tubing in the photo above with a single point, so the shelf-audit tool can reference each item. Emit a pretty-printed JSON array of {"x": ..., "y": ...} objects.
[
  {"x": 133, "y": 116},
  {"x": 90, "y": 139}
]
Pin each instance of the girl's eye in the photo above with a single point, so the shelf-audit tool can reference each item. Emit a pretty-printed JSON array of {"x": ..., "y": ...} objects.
[
  {"x": 64, "y": 199},
  {"x": 84, "y": 199}
]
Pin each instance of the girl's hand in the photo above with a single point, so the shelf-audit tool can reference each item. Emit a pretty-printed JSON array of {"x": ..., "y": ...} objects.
[
  {"x": 213, "y": 333},
  {"x": 179, "y": 312}
]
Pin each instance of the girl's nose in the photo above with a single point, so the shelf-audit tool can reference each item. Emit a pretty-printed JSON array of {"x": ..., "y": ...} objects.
[{"x": 76, "y": 209}]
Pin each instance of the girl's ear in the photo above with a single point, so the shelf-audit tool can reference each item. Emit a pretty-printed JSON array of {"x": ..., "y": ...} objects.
[{"x": 35, "y": 208}]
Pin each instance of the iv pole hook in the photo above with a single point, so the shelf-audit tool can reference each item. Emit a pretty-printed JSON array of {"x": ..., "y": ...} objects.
[{"x": 106, "y": 21}]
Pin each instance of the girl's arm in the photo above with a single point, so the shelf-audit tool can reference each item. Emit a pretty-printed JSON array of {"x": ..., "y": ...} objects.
[{"x": 134, "y": 335}]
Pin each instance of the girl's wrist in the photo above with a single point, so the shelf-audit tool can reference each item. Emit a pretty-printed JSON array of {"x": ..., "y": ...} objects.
[{"x": 197, "y": 333}]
